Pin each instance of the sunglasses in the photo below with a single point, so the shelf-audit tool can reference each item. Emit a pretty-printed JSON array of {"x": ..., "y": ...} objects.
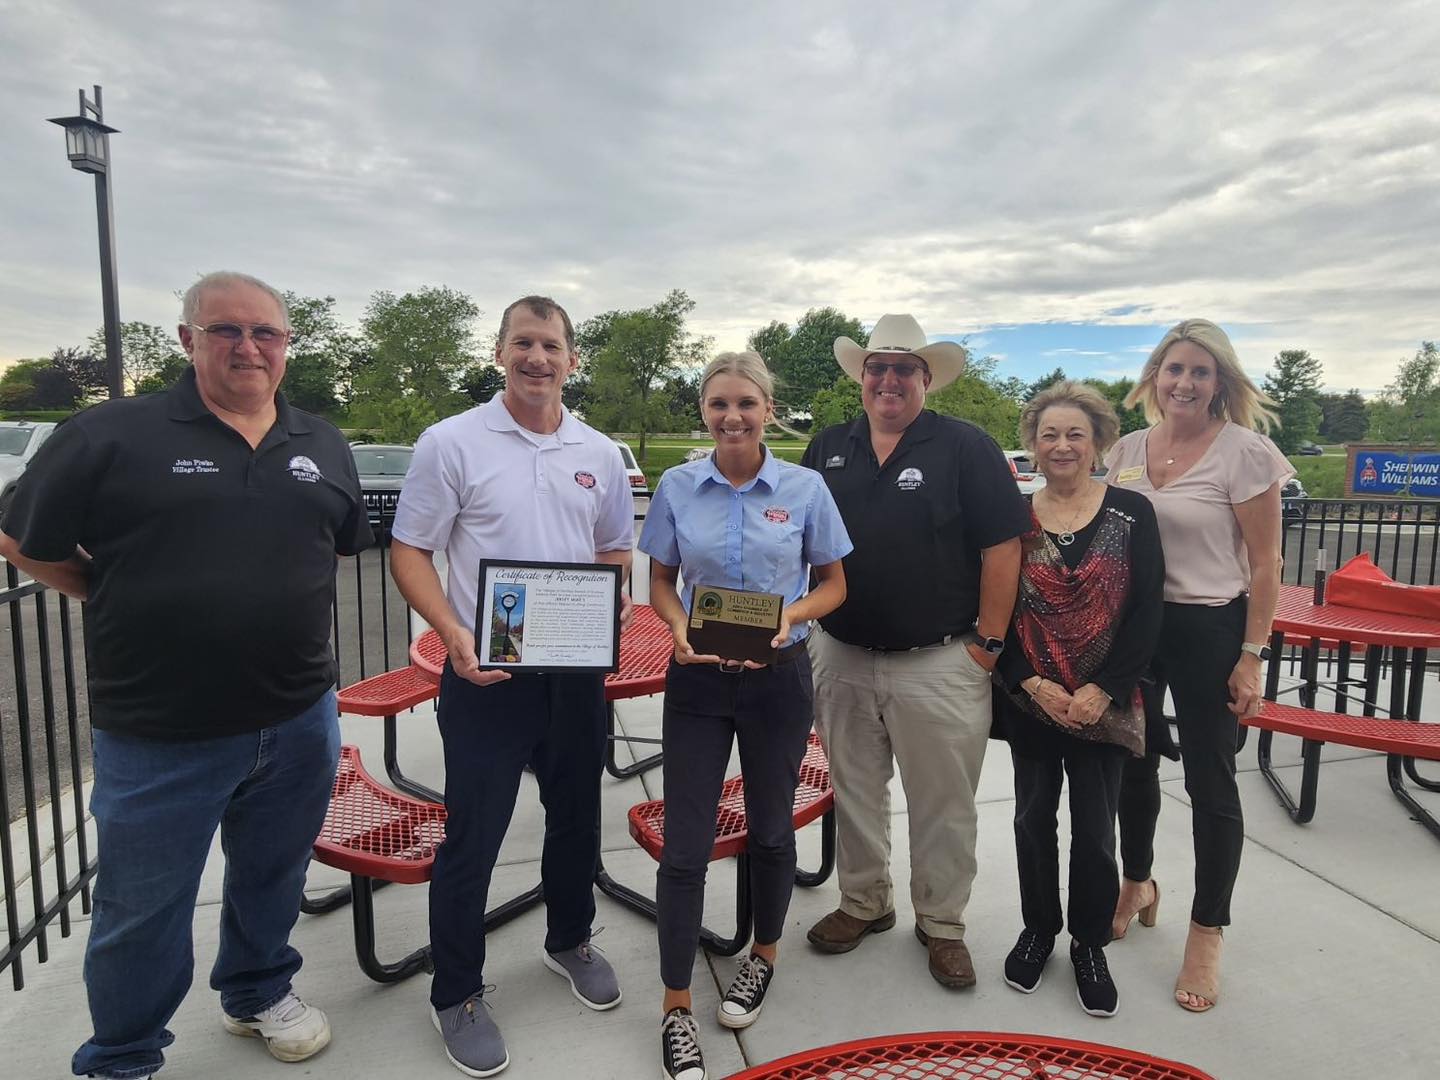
[
  {"x": 903, "y": 369},
  {"x": 264, "y": 337}
]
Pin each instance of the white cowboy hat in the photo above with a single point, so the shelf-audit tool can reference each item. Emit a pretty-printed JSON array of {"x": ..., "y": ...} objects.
[{"x": 902, "y": 334}]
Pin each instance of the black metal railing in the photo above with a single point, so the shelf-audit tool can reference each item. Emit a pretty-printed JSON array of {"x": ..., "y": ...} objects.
[
  {"x": 48, "y": 766},
  {"x": 1402, "y": 536}
]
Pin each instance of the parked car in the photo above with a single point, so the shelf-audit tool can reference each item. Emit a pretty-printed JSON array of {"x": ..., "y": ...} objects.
[
  {"x": 382, "y": 470},
  {"x": 638, "y": 484},
  {"x": 1023, "y": 466},
  {"x": 19, "y": 439},
  {"x": 697, "y": 453},
  {"x": 1292, "y": 492},
  {"x": 1309, "y": 449}
]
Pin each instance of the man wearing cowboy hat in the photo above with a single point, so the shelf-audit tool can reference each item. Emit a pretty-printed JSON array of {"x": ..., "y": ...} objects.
[{"x": 902, "y": 667}]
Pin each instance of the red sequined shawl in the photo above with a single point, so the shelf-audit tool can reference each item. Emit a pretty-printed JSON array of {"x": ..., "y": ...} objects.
[{"x": 1066, "y": 621}]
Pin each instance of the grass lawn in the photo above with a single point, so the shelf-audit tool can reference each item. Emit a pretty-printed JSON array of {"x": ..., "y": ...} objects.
[
  {"x": 662, "y": 454},
  {"x": 1323, "y": 477}
]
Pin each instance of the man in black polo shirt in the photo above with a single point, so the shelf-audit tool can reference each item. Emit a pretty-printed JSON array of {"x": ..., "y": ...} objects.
[
  {"x": 902, "y": 667},
  {"x": 200, "y": 525}
]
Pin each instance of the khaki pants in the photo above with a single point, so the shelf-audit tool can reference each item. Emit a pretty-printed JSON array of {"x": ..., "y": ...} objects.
[{"x": 930, "y": 711}]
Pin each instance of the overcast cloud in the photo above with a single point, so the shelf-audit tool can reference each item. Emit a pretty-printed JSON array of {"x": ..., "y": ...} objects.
[{"x": 1270, "y": 166}]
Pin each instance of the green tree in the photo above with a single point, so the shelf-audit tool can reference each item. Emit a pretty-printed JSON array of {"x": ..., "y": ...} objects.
[
  {"x": 321, "y": 354},
  {"x": 1409, "y": 409},
  {"x": 975, "y": 397},
  {"x": 150, "y": 355},
  {"x": 803, "y": 359},
  {"x": 482, "y": 381},
  {"x": 1350, "y": 420},
  {"x": 1295, "y": 385},
  {"x": 630, "y": 357},
  {"x": 410, "y": 357},
  {"x": 66, "y": 379},
  {"x": 1044, "y": 383},
  {"x": 1116, "y": 392},
  {"x": 836, "y": 404}
]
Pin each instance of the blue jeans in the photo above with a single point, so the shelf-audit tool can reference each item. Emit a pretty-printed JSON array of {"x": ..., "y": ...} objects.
[{"x": 156, "y": 806}]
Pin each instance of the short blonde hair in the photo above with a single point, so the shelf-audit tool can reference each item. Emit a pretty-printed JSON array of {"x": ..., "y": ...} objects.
[
  {"x": 1104, "y": 424},
  {"x": 1236, "y": 397}
]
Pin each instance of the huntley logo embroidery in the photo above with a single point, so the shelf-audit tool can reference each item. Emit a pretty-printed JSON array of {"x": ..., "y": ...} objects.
[
  {"x": 194, "y": 465},
  {"x": 778, "y": 514},
  {"x": 909, "y": 479},
  {"x": 836, "y": 462},
  {"x": 302, "y": 468},
  {"x": 585, "y": 479}
]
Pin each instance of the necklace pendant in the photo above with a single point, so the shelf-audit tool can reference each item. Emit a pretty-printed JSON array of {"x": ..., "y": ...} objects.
[
  {"x": 1169, "y": 461},
  {"x": 1065, "y": 539}
]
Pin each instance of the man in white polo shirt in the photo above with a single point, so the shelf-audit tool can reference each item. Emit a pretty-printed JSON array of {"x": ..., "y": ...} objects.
[{"x": 517, "y": 478}]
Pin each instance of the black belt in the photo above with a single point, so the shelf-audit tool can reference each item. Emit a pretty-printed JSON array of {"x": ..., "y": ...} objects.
[
  {"x": 788, "y": 655},
  {"x": 946, "y": 640}
]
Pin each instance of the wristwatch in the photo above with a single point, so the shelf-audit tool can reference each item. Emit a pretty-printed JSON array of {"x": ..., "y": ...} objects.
[{"x": 1261, "y": 652}]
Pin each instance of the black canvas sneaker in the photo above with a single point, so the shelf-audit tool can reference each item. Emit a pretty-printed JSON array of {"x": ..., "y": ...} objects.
[
  {"x": 742, "y": 1003},
  {"x": 680, "y": 1055}
]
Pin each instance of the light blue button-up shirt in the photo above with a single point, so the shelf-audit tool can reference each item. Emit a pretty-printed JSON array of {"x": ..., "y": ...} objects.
[{"x": 762, "y": 537}]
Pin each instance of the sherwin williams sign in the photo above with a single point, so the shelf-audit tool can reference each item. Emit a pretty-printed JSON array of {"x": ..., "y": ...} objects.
[{"x": 1394, "y": 471}]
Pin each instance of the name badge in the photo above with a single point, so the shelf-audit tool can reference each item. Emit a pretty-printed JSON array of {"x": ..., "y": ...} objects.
[{"x": 1129, "y": 476}]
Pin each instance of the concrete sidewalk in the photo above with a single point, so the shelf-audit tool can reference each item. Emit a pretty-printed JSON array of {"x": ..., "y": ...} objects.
[{"x": 1332, "y": 967}]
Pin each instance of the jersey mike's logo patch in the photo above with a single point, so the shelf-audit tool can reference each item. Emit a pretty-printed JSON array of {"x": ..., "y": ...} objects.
[
  {"x": 909, "y": 479},
  {"x": 302, "y": 468},
  {"x": 778, "y": 514},
  {"x": 585, "y": 479}
]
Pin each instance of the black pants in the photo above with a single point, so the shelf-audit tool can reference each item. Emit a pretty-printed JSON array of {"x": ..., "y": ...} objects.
[
  {"x": 1094, "y": 770},
  {"x": 769, "y": 710},
  {"x": 556, "y": 724},
  {"x": 1198, "y": 649}
]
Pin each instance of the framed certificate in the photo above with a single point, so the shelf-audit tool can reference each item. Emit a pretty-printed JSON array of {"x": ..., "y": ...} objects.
[{"x": 541, "y": 616}]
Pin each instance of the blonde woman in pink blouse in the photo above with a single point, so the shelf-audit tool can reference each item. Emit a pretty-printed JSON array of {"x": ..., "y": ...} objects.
[{"x": 1214, "y": 480}]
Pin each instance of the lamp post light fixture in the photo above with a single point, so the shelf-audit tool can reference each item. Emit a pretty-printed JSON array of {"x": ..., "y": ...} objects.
[
  {"x": 508, "y": 601},
  {"x": 87, "y": 144}
]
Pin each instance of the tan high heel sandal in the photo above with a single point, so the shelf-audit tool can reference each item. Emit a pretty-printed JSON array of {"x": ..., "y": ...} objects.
[
  {"x": 1200, "y": 976},
  {"x": 1120, "y": 924}
]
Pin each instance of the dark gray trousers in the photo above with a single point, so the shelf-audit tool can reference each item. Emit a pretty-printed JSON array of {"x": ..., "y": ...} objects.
[{"x": 769, "y": 710}]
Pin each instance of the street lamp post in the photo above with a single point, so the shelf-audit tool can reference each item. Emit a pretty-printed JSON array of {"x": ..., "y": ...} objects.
[
  {"x": 508, "y": 602},
  {"x": 87, "y": 144}
]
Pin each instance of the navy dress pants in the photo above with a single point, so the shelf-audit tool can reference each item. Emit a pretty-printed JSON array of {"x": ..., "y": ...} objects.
[{"x": 556, "y": 724}]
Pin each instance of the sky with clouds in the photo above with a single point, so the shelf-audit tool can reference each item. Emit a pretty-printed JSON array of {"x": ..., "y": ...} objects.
[{"x": 1059, "y": 182}]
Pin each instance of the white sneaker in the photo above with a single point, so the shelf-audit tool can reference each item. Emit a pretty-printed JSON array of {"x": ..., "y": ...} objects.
[{"x": 292, "y": 1030}]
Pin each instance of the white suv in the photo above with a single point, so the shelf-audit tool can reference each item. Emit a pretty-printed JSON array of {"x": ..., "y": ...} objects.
[
  {"x": 638, "y": 483},
  {"x": 19, "y": 439}
]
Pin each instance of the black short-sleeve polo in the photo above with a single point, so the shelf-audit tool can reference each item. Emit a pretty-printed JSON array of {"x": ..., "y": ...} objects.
[
  {"x": 919, "y": 523},
  {"x": 213, "y": 568}
]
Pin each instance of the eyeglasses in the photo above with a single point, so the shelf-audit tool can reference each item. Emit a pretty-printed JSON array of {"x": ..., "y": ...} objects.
[
  {"x": 876, "y": 369},
  {"x": 264, "y": 337}
]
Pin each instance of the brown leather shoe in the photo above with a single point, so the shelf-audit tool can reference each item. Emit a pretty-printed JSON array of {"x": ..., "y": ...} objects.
[
  {"x": 950, "y": 962},
  {"x": 840, "y": 932}
]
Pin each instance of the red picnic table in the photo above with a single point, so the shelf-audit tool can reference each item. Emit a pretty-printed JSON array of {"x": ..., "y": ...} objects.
[
  {"x": 645, "y": 649},
  {"x": 979, "y": 1054},
  {"x": 1299, "y": 620}
]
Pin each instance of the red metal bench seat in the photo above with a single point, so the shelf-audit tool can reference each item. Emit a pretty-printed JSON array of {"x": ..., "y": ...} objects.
[
  {"x": 814, "y": 798},
  {"x": 1398, "y": 739},
  {"x": 387, "y": 693}
]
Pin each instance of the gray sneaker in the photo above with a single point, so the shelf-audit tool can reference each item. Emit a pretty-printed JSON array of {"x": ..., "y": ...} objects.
[
  {"x": 473, "y": 1043},
  {"x": 591, "y": 977}
]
